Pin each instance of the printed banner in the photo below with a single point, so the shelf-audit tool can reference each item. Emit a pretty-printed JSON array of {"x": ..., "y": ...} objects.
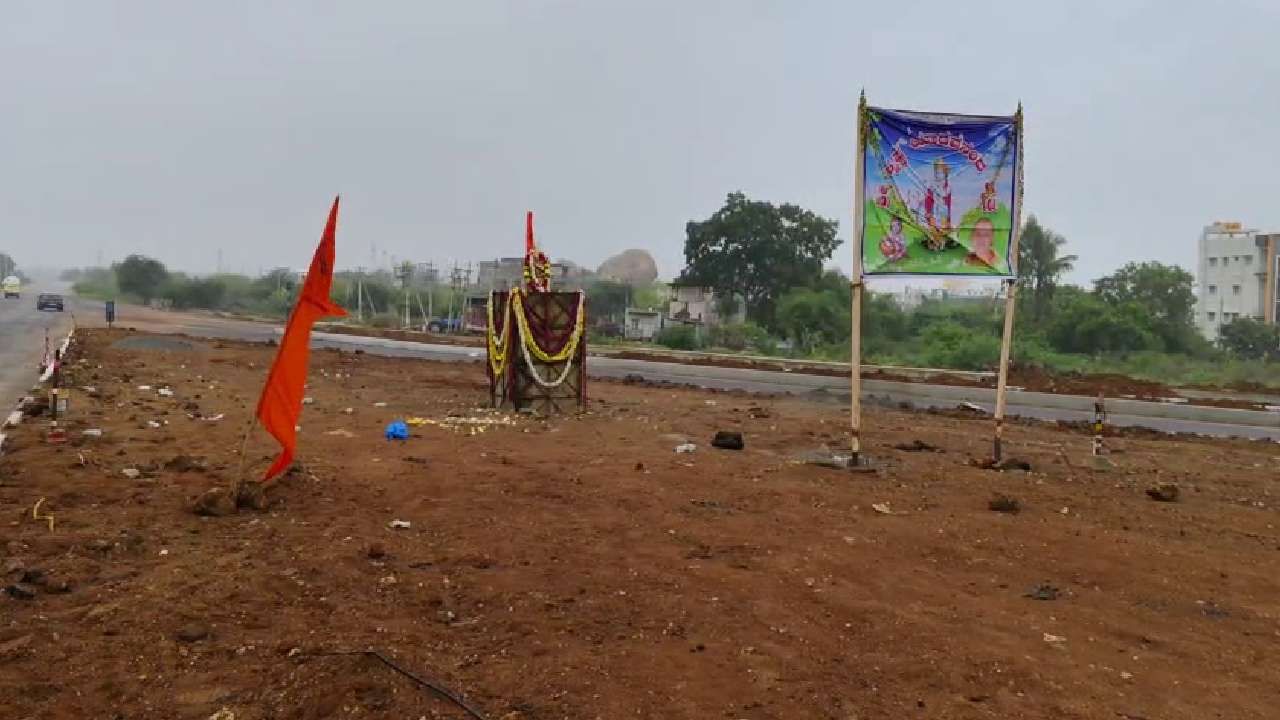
[{"x": 941, "y": 193}]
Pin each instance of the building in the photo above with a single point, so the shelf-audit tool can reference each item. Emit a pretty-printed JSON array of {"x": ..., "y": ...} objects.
[
  {"x": 1235, "y": 276},
  {"x": 641, "y": 324},
  {"x": 693, "y": 304},
  {"x": 506, "y": 273}
]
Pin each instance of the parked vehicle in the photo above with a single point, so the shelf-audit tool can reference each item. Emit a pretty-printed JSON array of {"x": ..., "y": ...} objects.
[
  {"x": 49, "y": 301},
  {"x": 444, "y": 325}
]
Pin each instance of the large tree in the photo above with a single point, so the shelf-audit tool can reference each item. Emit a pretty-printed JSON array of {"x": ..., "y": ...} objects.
[
  {"x": 1164, "y": 292},
  {"x": 141, "y": 276},
  {"x": 757, "y": 251},
  {"x": 1040, "y": 265}
]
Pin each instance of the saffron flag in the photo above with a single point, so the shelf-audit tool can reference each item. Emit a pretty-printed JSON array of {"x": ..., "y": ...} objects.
[
  {"x": 281, "y": 400},
  {"x": 941, "y": 193}
]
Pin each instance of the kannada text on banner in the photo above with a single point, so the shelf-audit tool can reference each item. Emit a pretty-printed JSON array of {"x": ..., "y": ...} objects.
[{"x": 940, "y": 193}]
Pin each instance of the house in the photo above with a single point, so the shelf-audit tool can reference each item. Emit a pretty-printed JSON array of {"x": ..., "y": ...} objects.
[
  {"x": 699, "y": 305},
  {"x": 641, "y": 324}
]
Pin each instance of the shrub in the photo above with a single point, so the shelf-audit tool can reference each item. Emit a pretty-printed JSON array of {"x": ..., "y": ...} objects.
[{"x": 678, "y": 337}]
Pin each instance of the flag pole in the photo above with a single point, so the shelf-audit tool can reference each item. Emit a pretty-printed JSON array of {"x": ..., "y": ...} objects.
[
  {"x": 1011, "y": 285},
  {"x": 856, "y": 283}
]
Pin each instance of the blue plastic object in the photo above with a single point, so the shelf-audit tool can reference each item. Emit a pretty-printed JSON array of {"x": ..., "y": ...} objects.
[{"x": 397, "y": 430}]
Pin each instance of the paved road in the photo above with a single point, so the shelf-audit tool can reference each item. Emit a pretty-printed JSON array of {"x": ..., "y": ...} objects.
[
  {"x": 1204, "y": 421},
  {"x": 22, "y": 334}
]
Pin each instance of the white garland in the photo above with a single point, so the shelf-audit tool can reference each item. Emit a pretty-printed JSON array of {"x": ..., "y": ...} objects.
[{"x": 568, "y": 365}]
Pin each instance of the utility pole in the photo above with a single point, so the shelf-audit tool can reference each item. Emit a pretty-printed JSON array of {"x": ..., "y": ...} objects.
[
  {"x": 360, "y": 294},
  {"x": 404, "y": 272}
]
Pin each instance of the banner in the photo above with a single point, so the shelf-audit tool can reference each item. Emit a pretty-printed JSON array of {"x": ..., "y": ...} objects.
[{"x": 940, "y": 193}]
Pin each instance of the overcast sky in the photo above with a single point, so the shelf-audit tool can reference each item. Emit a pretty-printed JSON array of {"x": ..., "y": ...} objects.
[{"x": 179, "y": 129}]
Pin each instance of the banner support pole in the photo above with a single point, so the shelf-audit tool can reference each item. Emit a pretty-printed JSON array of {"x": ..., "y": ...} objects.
[
  {"x": 856, "y": 286},
  {"x": 1006, "y": 340}
]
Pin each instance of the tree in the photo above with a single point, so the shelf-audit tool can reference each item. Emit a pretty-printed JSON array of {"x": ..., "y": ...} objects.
[
  {"x": 1163, "y": 292},
  {"x": 757, "y": 251},
  {"x": 1085, "y": 323},
  {"x": 1039, "y": 264},
  {"x": 813, "y": 317},
  {"x": 607, "y": 300},
  {"x": 1249, "y": 338},
  {"x": 141, "y": 276}
]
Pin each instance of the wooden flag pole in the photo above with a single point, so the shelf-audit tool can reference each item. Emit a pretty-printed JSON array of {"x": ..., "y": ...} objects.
[
  {"x": 855, "y": 344},
  {"x": 1010, "y": 295}
]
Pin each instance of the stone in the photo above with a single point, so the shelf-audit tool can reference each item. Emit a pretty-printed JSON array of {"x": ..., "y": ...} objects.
[
  {"x": 728, "y": 440},
  {"x": 376, "y": 551},
  {"x": 1004, "y": 504},
  {"x": 214, "y": 502},
  {"x": 1163, "y": 492},
  {"x": 192, "y": 632},
  {"x": 632, "y": 267},
  {"x": 21, "y": 591}
]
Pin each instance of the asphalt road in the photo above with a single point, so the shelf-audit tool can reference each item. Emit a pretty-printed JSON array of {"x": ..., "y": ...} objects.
[
  {"x": 1203, "y": 421},
  {"x": 22, "y": 334}
]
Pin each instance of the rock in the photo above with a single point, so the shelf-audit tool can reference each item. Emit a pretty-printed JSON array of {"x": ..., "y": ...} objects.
[
  {"x": 131, "y": 473},
  {"x": 376, "y": 551},
  {"x": 32, "y": 576},
  {"x": 1163, "y": 492},
  {"x": 632, "y": 267},
  {"x": 214, "y": 502},
  {"x": 1004, "y": 504},
  {"x": 21, "y": 591},
  {"x": 727, "y": 440},
  {"x": 192, "y": 632},
  {"x": 1013, "y": 464},
  {"x": 252, "y": 495},
  {"x": 1043, "y": 591},
  {"x": 183, "y": 463},
  {"x": 686, "y": 448},
  {"x": 917, "y": 446}
]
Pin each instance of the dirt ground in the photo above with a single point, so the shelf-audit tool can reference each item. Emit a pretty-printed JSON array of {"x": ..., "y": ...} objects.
[{"x": 577, "y": 567}]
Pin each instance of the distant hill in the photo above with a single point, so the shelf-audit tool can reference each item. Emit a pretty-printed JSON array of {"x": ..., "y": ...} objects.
[{"x": 633, "y": 267}]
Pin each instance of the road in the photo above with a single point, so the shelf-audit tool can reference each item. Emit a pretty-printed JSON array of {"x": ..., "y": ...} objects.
[
  {"x": 22, "y": 335},
  {"x": 1043, "y": 406}
]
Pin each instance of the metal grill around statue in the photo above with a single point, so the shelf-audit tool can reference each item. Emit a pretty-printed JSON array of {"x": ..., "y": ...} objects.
[{"x": 536, "y": 341}]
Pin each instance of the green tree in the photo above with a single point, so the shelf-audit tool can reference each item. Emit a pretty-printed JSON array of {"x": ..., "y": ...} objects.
[
  {"x": 1040, "y": 265},
  {"x": 1085, "y": 323},
  {"x": 607, "y": 300},
  {"x": 141, "y": 276},
  {"x": 1250, "y": 339},
  {"x": 1163, "y": 292},
  {"x": 757, "y": 251},
  {"x": 814, "y": 316}
]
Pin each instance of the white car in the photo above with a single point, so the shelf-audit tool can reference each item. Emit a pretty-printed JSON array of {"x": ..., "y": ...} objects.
[{"x": 12, "y": 287}]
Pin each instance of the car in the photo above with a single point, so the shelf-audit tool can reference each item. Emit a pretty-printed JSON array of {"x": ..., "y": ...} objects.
[
  {"x": 12, "y": 287},
  {"x": 49, "y": 301}
]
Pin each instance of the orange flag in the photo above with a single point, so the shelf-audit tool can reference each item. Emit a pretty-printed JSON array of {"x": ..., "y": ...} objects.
[{"x": 281, "y": 400}]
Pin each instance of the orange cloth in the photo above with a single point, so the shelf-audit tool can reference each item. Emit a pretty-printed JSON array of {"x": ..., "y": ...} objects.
[{"x": 281, "y": 400}]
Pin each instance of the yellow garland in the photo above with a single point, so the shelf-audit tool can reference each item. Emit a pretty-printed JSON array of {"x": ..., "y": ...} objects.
[
  {"x": 497, "y": 350},
  {"x": 527, "y": 337}
]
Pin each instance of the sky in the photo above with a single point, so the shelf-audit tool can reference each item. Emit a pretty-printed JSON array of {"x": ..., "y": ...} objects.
[{"x": 197, "y": 131}]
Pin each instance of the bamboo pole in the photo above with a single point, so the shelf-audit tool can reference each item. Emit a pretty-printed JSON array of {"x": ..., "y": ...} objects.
[
  {"x": 855, "y": 343},
  {"x": 1006, "y": 340}
]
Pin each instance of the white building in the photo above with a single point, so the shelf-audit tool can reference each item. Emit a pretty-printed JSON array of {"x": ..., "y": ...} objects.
[{"x": 1235, "y": 276}]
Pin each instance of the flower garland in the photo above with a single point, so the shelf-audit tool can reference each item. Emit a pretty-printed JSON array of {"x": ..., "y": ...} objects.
[
  {"x": 537, "y": 271},
  {"x": 498, "y": 348},
  {"x": 529, "y": 347},
  {"x": 569, "y": 348}
]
